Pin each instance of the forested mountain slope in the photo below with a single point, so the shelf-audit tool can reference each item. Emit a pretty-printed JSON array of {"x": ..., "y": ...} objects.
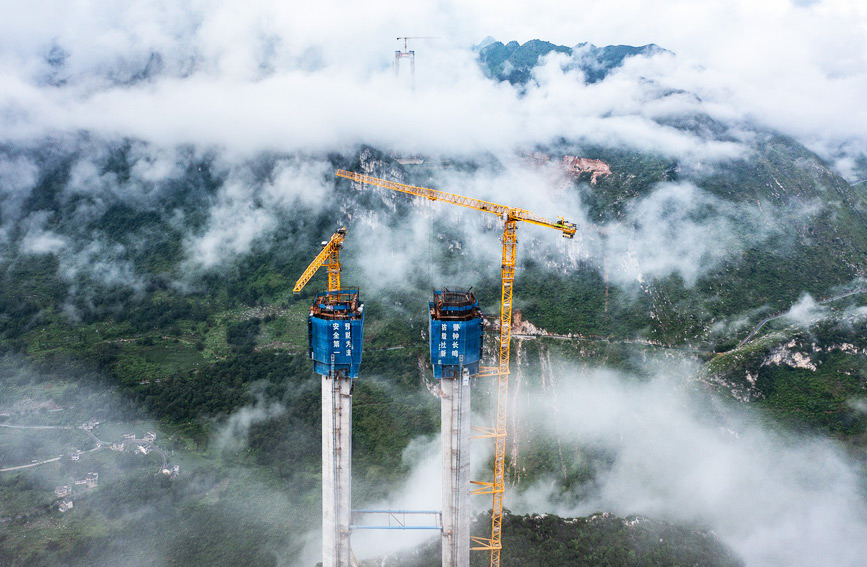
[{"x": 715, "y": 286}]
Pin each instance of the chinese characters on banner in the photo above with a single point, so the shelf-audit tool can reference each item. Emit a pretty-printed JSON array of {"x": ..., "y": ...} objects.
[
  {"x": 449, "y": 341},
  {"x": 341, "y": 339}
]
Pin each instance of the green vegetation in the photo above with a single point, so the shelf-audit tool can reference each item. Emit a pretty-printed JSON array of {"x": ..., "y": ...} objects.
[
  {"x": 515, "y": 62},
  {"x": 120, "y": 328},
  {"x": 604, "y": 540},
  {"x": 810, "y": 380},
  {"x": 598, "y": 540},
  {"x": 633, "y": 175}
]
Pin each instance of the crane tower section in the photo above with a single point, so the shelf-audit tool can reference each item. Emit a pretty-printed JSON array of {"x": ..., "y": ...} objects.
[
  {"x": 510, "y": 216},
  {"x": 335, "y": 330}
]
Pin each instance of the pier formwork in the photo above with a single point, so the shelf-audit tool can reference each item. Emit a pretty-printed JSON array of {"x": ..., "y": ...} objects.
[
  {"x": 456, "y": 328},
  {"x": 335, "y": 334}
]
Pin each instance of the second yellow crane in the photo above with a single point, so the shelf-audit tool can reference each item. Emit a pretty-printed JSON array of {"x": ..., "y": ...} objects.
[
  {"x": 328, "y": 257},
  {"x": 510, "y": 217}
]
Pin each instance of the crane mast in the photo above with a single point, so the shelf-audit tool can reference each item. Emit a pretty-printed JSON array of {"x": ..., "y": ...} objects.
[
  {"x": 328, "y": 257},
  {"x": 498, "y": 433},
  {"x": 510, "y": 217}
]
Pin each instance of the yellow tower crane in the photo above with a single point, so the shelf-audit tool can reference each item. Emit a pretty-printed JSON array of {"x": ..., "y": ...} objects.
[
  {"x": 510, "y": 217},
  {"x": 328, "y": 257}
]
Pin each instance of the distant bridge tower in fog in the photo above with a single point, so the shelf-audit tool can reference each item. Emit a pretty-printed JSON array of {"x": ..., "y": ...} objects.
[{"x": 407, "y": 54}]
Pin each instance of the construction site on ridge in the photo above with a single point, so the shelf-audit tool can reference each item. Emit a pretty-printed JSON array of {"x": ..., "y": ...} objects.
[{"x": 456, "y": 337}]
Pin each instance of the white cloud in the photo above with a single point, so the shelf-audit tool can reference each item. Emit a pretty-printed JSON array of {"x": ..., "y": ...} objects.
[
  {"x": 105, "y": 262},
  {"x": 233, "y": 433},
  {"x": 38, "y": 240},
  {"x": 18, "y": 176},
  {"x": 234, "y": 225},
  {"x": 680, "y": 229},
  {"x": 238, "y": 79},
  {"x": 420, "y": 491},
  {"x": 265, "y": 75},
  {"x": 674, "y": 453},
  {"x": 806, "y": 311},
  {"x": 43, "y": 243},
  {"x": 246, "y": 209}
]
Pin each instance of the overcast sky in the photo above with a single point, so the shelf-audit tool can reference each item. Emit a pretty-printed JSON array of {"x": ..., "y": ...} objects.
[{"x": 264, "y": 74}]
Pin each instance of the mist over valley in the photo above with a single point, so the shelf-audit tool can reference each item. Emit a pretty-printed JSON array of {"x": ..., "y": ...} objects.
[{"x": 688, "y": 373}]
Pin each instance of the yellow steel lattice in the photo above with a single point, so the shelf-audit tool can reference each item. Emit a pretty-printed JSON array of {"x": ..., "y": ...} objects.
[
  {"x": 510, "y": 217},
  {"x": 328, "y": 257}
]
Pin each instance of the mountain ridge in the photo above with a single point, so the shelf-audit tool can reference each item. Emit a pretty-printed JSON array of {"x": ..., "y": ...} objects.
[{"x": 514, "y": 62}]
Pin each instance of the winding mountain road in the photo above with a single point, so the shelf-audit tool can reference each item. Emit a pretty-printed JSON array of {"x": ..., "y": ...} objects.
[
  {"x": 761, "y": 323},
  {"x": 36, "y": 426},
  {"x": 36, "y": 464},
  {"x": 55, "y": 459},
  {"x": 99, "y": 444}
]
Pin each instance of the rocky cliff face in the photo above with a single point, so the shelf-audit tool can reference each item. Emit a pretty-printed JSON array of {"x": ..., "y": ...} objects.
[
  {"x": 816, "y": 376},
  {"x": 521, "y": 326},
  {"x": 576, "y": 166}
]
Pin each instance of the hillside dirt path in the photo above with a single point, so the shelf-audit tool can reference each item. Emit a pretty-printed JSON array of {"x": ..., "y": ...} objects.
[{"x": 761, "y": 323}]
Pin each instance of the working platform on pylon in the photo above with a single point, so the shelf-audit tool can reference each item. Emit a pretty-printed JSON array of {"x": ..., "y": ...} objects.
[
  {"x": 335, "y": 330},
  {"x": 456, "y": 328}
]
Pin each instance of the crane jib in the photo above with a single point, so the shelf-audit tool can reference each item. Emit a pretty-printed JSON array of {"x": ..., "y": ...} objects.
[
  {"x": 328, "y": 257},
  {"x": 506, "y": 213}
]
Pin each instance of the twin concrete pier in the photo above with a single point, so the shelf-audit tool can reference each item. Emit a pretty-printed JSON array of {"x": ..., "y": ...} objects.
[
  {"x": 335, "y": 329},
  {"x": 456, "y": 327},
  {"x": 335, "y": 333},
  {"x": 455, "y": 429},
  {"x": 336, "y": 470}
]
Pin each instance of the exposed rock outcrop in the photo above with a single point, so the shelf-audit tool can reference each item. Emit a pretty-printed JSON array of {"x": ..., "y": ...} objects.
[{"x": 575, "y": 166}]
